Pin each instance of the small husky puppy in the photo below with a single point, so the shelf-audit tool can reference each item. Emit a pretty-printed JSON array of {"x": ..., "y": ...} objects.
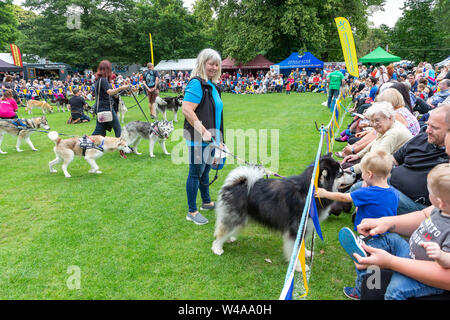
[{"x": 159, "y": 131}]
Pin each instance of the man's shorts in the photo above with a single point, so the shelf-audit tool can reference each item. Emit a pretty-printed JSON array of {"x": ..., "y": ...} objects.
[{"x": 152, "y": 96}]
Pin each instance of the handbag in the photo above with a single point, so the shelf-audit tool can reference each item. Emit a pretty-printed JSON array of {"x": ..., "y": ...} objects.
[{"x": 104, "y": 116}]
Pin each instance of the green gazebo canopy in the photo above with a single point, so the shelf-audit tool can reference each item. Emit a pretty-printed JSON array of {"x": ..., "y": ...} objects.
[{"x": 379, "y": 56}]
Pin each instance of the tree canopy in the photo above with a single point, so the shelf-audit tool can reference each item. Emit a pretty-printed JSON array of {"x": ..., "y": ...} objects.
[{"x": 81, "y": 33}]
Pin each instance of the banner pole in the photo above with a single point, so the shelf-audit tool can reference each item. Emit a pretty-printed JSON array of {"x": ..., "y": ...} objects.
[{"x": 151, "y": 47}]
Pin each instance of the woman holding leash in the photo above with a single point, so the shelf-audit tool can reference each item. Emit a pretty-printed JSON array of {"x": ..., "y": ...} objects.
[
  {"x": 202, "y": 108},
  {"x": 106, "y": 115}
]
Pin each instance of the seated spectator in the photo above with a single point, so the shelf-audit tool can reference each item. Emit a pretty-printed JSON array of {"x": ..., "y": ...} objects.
[
  {"x": 391, "y": 134},
  {"x": 402, "y": 114},
  {"x": 237, "y": 89},
  {"x": 413, "y": 82},
  {"x": 8, "y": 106},
  {"x": 432, "y": 102},
  {"x": 415, "y": 159},
  {"x": 249, "y": 89},
  {"x": 421, "y": 92},
  {"x": 77, "y": 105},
  {"x": 366, "y": 102}
]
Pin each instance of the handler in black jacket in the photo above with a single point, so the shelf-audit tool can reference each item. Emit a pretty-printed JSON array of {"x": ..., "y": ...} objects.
[
  {"x": 104, "y": 91},
  {"x": 202, "y": 108}
]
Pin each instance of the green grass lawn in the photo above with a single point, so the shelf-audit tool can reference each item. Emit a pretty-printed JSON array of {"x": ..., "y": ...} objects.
[{"x": 125, "y": 229}]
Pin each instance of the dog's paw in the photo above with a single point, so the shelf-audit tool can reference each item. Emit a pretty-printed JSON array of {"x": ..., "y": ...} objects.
[
  {"x": 138, "y": 153},
  {"x": 3, "y": 152},
  {"x": 167, "y": 154},
  {"x": 19, "y": 150},
  {"x": 53, "y": 170},
  {"x": 67, "y": 175},
  {"x": 152, "y": 156},
  {"x": 35, "y": 149},
  {"x": 232, "y": 239},
  {"x": 98, "y": 172},
  {"x": 216, "y": 249}
]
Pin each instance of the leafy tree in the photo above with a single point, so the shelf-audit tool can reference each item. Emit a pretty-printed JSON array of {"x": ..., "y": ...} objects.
[
  {"x": 8, "y": 25},
  {"x": 276, "y": 28},
  {"x": 79, "y": 32},
  {"x": 422, "y": 33}
]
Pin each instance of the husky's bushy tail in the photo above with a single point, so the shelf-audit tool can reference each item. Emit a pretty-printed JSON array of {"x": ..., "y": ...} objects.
[
  {"x": 54, "y": 136},
  {"x": 160, "y": 101},
  {"x": 247, "y": 175}
]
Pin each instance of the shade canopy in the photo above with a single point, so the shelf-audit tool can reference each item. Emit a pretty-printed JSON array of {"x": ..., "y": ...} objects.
[
  {"x": 259, "y": 62},
  {"x": 444, "y": 62},
  {"x": 296, "y": 60},
  {"x": 379, "y": 56},
  {"x": 174, "y": 65},
  {"x": 7, "y": 67}
]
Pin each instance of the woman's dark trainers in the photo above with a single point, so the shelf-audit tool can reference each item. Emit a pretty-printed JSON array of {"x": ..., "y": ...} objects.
[
  {"x": 351, "y": 293},
  {"x": 208, "y": 206}
]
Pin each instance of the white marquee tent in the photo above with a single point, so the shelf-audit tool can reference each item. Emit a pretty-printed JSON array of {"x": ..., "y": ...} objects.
[{"x": 176, "y": 65}]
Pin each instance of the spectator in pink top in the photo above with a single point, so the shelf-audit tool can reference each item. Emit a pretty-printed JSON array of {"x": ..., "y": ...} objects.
[{"x": 8, "y": 106}]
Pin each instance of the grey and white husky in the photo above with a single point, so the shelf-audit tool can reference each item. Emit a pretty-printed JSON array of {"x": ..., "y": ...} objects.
[
  {"x": 169, "y": 103},
  {"x": 159, "y": 131}
]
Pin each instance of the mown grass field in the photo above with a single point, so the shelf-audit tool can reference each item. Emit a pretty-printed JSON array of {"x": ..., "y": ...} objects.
[{"x": 125, "y": 230}]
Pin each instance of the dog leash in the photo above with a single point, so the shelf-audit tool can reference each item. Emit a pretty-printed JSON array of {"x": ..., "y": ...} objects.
[
  {"x": 139, "y": 105},
  {"x": 34, "y": 130},
  {"x": 268, "y": 172}
]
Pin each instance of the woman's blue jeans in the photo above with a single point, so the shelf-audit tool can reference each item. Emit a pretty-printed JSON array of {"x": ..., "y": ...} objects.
[
  {"x": 400, "y": 287},
  {"x": 198, "y": 178}
]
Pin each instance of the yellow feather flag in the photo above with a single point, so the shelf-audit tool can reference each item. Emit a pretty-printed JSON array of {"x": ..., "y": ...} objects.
[
  {"x": 301, "y": 258},
  {"x": 348, "y": 45},
  {"x": 49, "y": 91}
]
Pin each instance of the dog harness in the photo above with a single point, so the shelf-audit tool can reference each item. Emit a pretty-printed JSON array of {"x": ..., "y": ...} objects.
[
  {"x": 155, "y": 131},
  {"x": 22, "y": 124},
  {"x": 86, "y": 143}
]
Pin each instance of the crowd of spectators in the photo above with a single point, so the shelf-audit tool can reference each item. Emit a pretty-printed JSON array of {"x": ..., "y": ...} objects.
[{"x": 413, "y": 97}]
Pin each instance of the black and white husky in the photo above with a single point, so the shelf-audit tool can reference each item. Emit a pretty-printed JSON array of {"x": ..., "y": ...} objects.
[
  {"x": 168, "y": 103},
  {"x": 275, "y": 203},
  {"x": 159, "y": 131}
]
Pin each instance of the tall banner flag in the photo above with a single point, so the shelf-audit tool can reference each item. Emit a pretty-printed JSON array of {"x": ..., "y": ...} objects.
[
  {"x": 348, "y": 45},
  {"x": 151, "y": 47},
  {"x": 17, "y": 56}
]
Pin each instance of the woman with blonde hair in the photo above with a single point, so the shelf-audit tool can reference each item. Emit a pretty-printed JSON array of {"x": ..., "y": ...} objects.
[
  {"x": 202, "y": 108},
  {"x": 402, "y": 114}
]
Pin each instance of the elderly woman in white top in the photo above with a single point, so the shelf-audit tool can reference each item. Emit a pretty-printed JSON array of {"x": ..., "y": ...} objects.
[{"x": 391, "y": 134}]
